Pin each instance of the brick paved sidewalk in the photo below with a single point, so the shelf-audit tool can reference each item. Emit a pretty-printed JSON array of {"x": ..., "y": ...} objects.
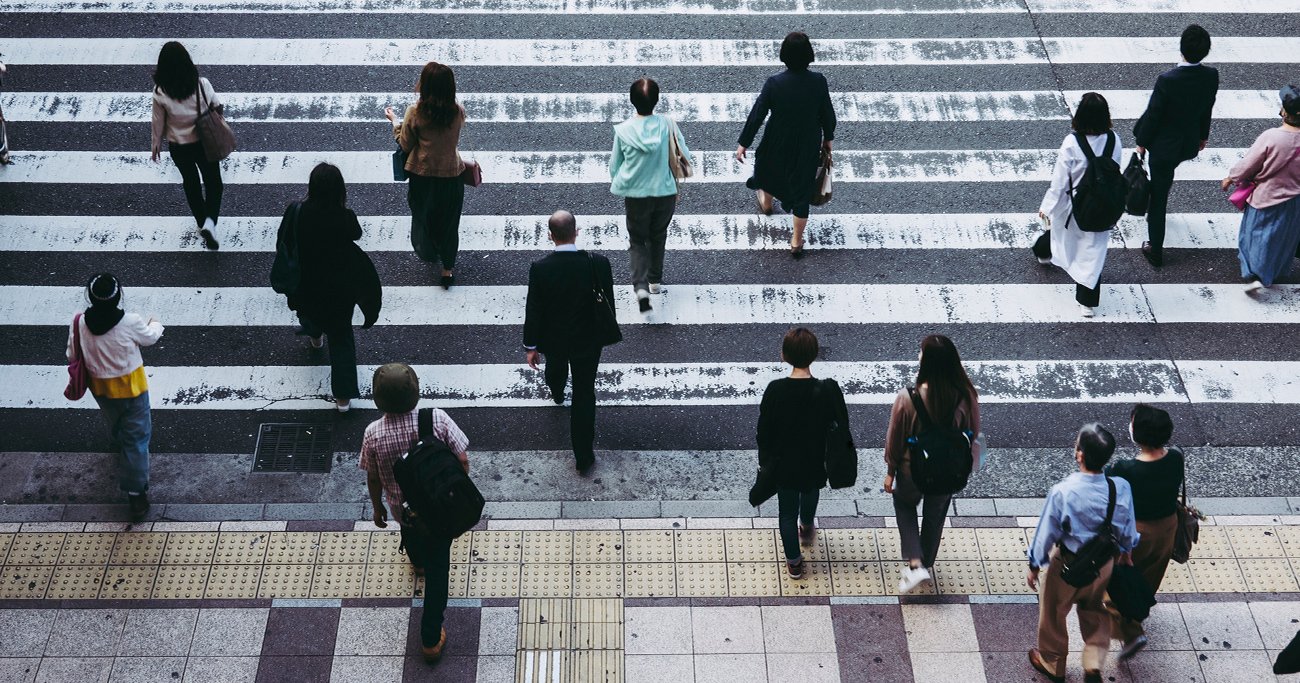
[{"x": 271, "y": 601}]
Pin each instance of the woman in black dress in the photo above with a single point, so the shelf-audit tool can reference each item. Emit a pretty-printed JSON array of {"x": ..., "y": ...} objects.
[{"x": 802, "y": 126}]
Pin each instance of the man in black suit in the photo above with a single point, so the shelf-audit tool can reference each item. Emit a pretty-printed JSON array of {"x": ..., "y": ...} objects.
[
  {"x": 560, "y": 323},
  {"x": 1175, "y": 127}
]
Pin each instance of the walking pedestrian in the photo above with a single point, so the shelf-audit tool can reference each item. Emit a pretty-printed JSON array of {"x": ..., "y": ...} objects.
[
  {"x": 429, "y": 132},
  {"x": 110, "y": 340},
  {"x": 641, "y": 175},
  {"x": 800, "y": 131},
  {"x": 948, "y": 396},
  {"x": 1155, "y": 477},
  {"x": 793, "y": 421},
  {"x": 1080, "y": 253},
  {"x": 560, "y": 323},
  {"x": 1075, "y": 510},
  {"x": 179, "y": 95},
  {"x": 1270, "y": 224},
  {"x": 1175, "y": 128},
  {"x": 324, "y": 231},
  {"x": 396, "y": 389}
]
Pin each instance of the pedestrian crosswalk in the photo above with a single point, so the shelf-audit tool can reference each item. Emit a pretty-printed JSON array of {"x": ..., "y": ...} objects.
[{"x": 928, "y": 231}]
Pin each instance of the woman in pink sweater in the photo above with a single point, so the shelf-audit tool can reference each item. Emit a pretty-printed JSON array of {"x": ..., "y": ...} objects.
[{"x": 1270, "y": 226}]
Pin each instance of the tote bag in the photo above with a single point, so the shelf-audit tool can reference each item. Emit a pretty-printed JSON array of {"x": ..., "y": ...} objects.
[
  {"x": 217, "y": 138},
  {"x": 679, "y": 164},
  {"x": 822, "y": 182},
  {"x": 78, "y": 373},
  {"x": 1188, "y": 531}
]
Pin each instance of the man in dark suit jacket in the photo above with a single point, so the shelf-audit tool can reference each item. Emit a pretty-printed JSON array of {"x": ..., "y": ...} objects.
[
  {"x": 1175, "y": 127},
  {"x": 560, "y": 323}
]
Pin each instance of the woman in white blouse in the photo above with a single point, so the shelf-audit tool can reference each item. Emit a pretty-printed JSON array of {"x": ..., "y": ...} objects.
[
  {"x": 110, "y": 348},
  {"x": 178, "y": 94},
  {"x": 1080, "y": 254}
]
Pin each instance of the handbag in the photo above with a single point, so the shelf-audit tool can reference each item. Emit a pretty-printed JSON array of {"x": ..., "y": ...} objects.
[
  {"x": 78, "y": 373},
  {"x": 472, "y": 176},
  {"x": 679, "y": 164},
  {"x": 1188, "y": 531},
  {"x": 1139, "y": 187},
  {"x": 841, "y": 454},
  {"x": 604, "y": 320},
  {"x": 286, "y": 271},
  {"x": 399, "y": 165},
  {"x": 764, "y": 487},
  {"x": 1129, "y": 592},
  {"x": 214, "y": 134},
  {"x": 1241, "y": 195},
  {"x": 822, "y": 182},
  {"x": 1288, "y": 660},
  {"x": 1087, "y": 564}
]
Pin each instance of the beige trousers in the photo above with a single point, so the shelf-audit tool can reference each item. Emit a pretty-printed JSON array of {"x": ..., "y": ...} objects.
[{"x": 1055, "y": 598}]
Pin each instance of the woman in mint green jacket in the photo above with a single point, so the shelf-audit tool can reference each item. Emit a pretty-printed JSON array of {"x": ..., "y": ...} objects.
[{"x": 641, "y": 175}]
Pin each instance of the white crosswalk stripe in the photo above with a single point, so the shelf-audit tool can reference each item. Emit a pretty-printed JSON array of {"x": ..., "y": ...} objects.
[
  {"x": 613, "y": 107},
  {"x": 685, "y": 233},
  {"x": 852, "y": 166},
  {"x": 680, "y": 52}
]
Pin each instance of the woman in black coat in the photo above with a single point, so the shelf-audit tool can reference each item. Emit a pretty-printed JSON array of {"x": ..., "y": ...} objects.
[
  {"x": 802, "y": 126},
  {"x": 335, "y": 277}
]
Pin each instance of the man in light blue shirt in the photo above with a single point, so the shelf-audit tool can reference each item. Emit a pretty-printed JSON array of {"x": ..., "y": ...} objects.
[{"x": 1075, "y": 510}]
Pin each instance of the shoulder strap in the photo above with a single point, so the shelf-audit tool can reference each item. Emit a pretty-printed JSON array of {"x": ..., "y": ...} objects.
[
  {"x": 919, "y": 405},
  {"x": 1110, "y": 503},
  {"x": 1110, "y": 144},
  {"x": 1083, "y": 145},
  {"x": 198, "y": 96},
  {"x": 76, "y": 336},
  {"x": 424, "y": 420}
]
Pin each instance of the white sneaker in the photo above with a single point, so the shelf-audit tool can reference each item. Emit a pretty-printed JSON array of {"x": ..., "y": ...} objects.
[
  {"x": 912, "y": 577},
  {"x": 1253, "y": 286},
  {"x": 1087, "y": 311},
  {"x": 655, "y": 288},
  {"x": 343, "y": 406},
  {"x": 1044, "y": 261},
  {"x": 315, "y": 342}
]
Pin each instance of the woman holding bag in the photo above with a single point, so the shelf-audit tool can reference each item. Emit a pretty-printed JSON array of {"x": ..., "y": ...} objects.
[
  {"x": 107, "y": 340},
  {"x": 179, "y": 95},
  {"x": 1268, "y": 179},
  {"x": 429, "y": 132}
]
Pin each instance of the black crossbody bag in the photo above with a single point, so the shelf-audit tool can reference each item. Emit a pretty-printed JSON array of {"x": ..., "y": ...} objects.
[{"x": 1100, "y": 549}]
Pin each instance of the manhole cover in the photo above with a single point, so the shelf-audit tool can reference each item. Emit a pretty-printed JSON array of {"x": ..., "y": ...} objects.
[{"x": 293, "y": 448}]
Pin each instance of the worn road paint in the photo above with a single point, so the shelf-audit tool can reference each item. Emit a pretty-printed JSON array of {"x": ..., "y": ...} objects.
[
  {"x": 641, "y": 53},
  {"x": 701, "y": 7},
  {"x": 691, "y": 384},
  {"x": 851, "y": 166},
  {"x": 686, "y": 232},
  {"x": 860, "y": 304}
]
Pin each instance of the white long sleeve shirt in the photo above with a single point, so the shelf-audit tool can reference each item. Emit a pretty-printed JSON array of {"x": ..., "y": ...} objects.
[{"x": 113, "y": 358}]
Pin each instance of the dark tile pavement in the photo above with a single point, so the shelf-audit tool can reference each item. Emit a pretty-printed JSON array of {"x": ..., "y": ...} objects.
[
  {"x": 294, "y": 669},
  {"x": 301, "y": 631}
]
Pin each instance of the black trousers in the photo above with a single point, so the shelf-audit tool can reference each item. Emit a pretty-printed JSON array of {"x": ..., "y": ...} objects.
[
  {"x": 1088, "y": 297},
  {"x": 342, "y": 345},
  {"x": 434, "y": 555},
  {"x": 1162, "y": 181},
  {"x": 582, "y": 416},
  {"x": 436, "y": 205},
  {"x": 192, "y": 163},
  {"x": 647, "y": 235}
]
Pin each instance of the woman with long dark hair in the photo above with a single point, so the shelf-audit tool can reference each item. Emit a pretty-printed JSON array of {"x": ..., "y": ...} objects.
[
  {"x": 799, "y": 133},
  {"x": 949, "y": 398},
  {"x": 429, "y": 131},
  {"x": 324, "y": 229},
  {"x": 179, "y": 92},
  {"x": 110, "y": 340},
  {"x": 1080, "y": 253}
]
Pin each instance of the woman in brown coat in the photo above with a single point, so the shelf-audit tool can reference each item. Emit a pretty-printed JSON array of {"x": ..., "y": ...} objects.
[{"x": 429, "y": 133}]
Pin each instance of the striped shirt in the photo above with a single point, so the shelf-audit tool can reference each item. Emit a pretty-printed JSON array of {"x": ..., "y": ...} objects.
[{"x": 387, "y": 439}]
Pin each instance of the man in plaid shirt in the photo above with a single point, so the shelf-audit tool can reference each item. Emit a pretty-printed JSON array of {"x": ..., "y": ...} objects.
[{"x": 386, "y": 440}]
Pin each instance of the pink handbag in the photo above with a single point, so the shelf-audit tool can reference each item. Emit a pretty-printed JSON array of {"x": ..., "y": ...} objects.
[
  {"x": 78, "y": 374},
  {"x": 1240, "y": 195}
]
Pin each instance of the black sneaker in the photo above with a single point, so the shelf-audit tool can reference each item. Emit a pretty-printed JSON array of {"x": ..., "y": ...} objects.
[
  {"x": 1155, "y": 257},
  {"x": 209, "y": 242},
  {"x": 139, "y": 506},
  {"x": 644, "y": 304},
  {"x": 1132, "y": 647}
]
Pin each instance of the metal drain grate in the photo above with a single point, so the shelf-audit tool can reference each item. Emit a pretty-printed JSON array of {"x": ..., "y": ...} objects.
[{"x": 293, "y": 448}]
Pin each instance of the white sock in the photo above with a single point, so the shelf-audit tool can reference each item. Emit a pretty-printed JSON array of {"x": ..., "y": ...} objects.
[{"x": 209, "y": 225}]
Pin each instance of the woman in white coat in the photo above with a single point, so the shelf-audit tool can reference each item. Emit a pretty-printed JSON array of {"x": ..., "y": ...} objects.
[{"x": 1080, "y": 254}]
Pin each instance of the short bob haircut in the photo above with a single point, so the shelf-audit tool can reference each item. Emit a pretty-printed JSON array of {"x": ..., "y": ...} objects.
[
  {"x": 1097, "y": 445},
  {"x": 325, "y": 186},
  {"x": 644, "y": 95},
  {"x": 799, "y": 347},
  {"x": 1152, "y": 427},
  {"x": 797, "y": 50},
  {"x": 1092, "y": 116},
  {"x": 1194, "y": 44}
]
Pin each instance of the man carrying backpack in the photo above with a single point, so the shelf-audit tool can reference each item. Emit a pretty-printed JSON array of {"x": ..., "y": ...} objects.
[
  {"x": 1087, "y": 523},
  {"x": 387, "y": 440}
]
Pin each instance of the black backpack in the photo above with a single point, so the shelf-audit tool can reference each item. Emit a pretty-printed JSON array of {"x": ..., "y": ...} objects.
[
  {"x": 941, "y": 454},
  {"x": 1139, "y": 187},
  {"x": 286, "y": 270},
  {"x": 1101, "y": 196},
  {"x": 1100, "y": 549},
  {"x": 443, "y": 501}
]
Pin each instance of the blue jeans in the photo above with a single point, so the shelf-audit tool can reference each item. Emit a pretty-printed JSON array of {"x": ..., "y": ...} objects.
[
  {"x": 130, "y": 426},
  {"x": 794, "y": 506}
]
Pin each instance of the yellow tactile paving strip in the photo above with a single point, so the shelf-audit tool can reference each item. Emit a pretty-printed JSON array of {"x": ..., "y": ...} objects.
[{"x": 576, "y": 564}]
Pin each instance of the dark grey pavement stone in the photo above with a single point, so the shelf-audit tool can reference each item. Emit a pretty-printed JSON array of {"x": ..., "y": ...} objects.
[
  {"x": 1013, "y": 667},
  {"x": 108, "y": 513},
  {"x": 184, "y": 512},
  {"x": 459, "y": 668},
  {"x": 461, "y": 624},
  {"x": 15, "y": 469},
  {"x": 294, "y": 669},
  {"x": 860, "y": 664},
  {"x": 31, "y": 513},
  {"x": 1005, "y": 628},
  {"x": 600, "y": 509},
  {"x": 299, "y": 631},
  {"x": 877, "y": 628},
  {"x": 707, "y": 508},
  {"x": 318, "y": 511},
  {"x": 320, "y": 525}
]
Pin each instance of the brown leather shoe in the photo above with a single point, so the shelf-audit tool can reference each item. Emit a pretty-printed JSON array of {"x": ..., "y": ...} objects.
[
  {"x": 1092, "y": 676},
  {"x": 1036, "y": 661},
  {"x": 433, "y": 654}
]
